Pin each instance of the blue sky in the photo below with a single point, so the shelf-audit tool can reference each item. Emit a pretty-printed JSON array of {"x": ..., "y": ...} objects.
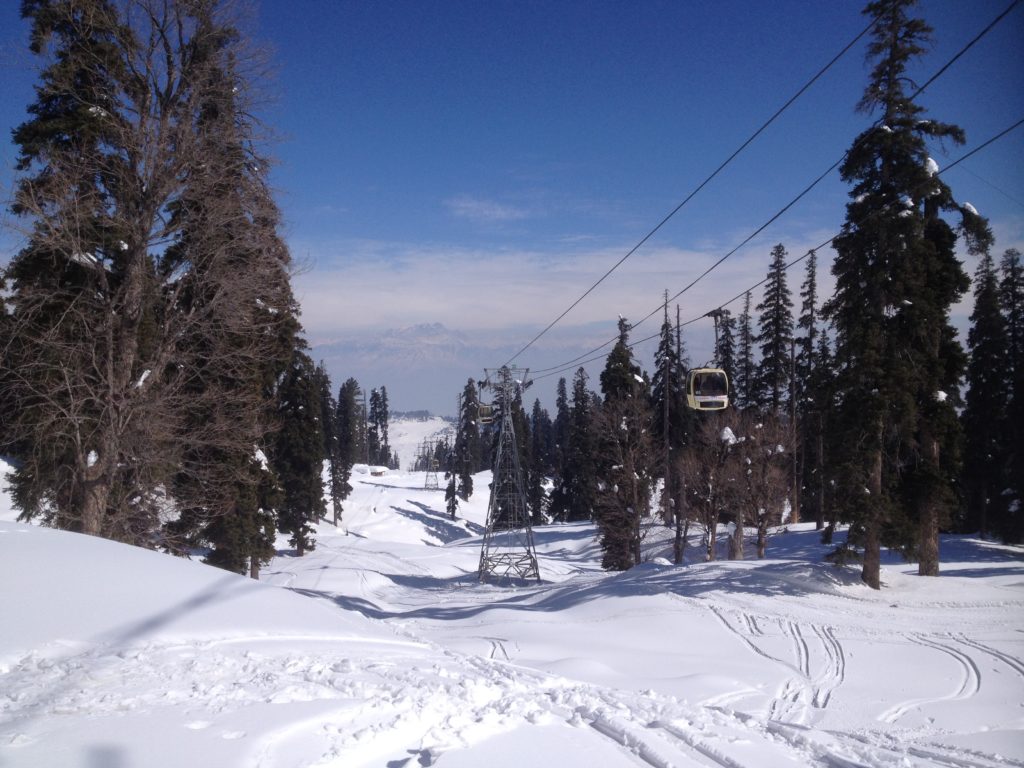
[{"x": 480, "y": 165}]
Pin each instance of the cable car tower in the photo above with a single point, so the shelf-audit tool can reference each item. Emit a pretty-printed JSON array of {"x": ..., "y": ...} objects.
[
  {"x": 507, "y": 550},
  {"x": 430, "y": 465}
]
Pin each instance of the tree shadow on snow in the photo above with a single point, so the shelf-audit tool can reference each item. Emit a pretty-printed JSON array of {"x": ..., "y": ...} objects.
[{"x": 438, "y": 524}]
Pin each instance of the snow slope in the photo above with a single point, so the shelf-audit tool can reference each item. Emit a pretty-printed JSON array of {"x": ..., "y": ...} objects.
[
  {"x": 406, "y": 436},
  {"x": 381, "y": 648}
]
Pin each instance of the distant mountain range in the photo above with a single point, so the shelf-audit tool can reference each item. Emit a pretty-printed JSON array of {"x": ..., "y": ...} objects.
[
  {"x": 423, "y": 366},
  {"x": 426, "y": 366}
]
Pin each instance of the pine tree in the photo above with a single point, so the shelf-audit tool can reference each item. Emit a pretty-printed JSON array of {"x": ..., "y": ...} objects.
[
  {"x": 725, "y": 350},
  {"x": 560, "y": 427},
  {"x": 809, "y": 406},
  {"x": 896, "y": 278},
  {"x": 667, "y": 388},
  {"x": 468, "y": 447},
  {"x": 377, "y": 428},
  {"x": 573, "y": 498},
  {"x": 625, "y": 459},
  {"x": 298, "y": 454},
  {"x": 227, "y": 225},
  {"x": 668, "y": 410},
  {"x": 620, "y": 375},
  {"x": 988, "y": 395},
  {"x": 745, "y": 381},
  {"x": 819, "y": 467},
  {"x": 624, "y": 456},
  {"x": 540, "y": 467},
  {"x": 351, "y": 427},
  {"x": 338, "y": 469},
  {"x": 775, "y": 336},
  {"x": 807, "y": 339},
  {"x": 1011, "y": 293}
]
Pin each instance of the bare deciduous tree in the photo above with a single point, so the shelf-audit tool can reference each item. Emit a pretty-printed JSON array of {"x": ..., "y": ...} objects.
[
  {"x": 759, "y": 460},
  {"x": 704, "y": 465},
  {"x": 153, "y": 288}
]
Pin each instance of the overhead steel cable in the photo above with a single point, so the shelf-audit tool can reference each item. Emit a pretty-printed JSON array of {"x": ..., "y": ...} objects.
[
  {"x": 805, "y": 191},
  {"x": 696, "y": 190},
  {"x": 591, "y": 356},
  {"x": 828, "y": 242}
]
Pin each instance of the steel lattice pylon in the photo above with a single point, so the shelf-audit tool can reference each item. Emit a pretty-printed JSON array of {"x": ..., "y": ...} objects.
[{"x": 507, "y": 549}]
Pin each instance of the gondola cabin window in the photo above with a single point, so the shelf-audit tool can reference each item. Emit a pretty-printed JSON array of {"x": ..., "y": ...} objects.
[{"x": 707, "y": 389}]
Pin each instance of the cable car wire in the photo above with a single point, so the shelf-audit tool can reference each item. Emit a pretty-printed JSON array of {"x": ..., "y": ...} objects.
[
  {"x": 593, "y": 357},
  {"x": 942, "y": 70},
  {"x": 696, "y": 190},
  {"x": 828, "y": 242}
]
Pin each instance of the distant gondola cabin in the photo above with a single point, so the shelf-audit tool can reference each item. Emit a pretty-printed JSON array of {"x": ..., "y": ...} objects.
[
  {"x": 707, "y": 389},
  {"x": 485, "y": 413}
]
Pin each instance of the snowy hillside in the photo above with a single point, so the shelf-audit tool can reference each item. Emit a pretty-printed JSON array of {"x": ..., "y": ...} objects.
[
  {"x": 406, "y": 435},
  {"x": 381, "y": 648}
]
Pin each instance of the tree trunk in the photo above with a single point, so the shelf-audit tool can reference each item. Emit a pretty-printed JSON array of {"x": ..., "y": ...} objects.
[
  {"x": 679, "y": 512},
  {"x": 819, "y": 519},
  {"x": 736, "y": 541},
  {"x": 762, "y": 540},
  {"x": 871, "y": 570},
  {"x": 94, "y": 505},
  {"x": 928, "y": 518},
  {"x": 872, "y": 566}
]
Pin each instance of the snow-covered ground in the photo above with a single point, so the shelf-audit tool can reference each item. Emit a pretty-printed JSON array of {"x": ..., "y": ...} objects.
[
  {"x": 381, "y": 648},
  {"x": 406, "y": 436}
]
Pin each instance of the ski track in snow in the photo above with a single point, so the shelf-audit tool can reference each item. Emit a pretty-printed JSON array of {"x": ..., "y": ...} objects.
[
  {"x": 802, "y": 691},
  {"x": 1005, "y": 658},
  {"x": 969, "y": 684},
  {"x": 377, "y": 711}
]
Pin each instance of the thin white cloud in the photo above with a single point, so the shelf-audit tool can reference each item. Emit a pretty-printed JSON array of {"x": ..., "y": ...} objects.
[
  {"x": 377, "y": 285},
  {"x": 484, "y": 211}
]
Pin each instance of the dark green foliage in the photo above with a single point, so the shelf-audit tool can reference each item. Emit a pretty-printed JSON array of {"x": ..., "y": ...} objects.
[
  {"x": 624, "y": 456},
  {"x": 351, "y": 425},
  {"x": 620, "y": 374},
  {"x": 985, "y": 412},
  {"x": 336, "y": 448},
  {"x": 895, "y": 431},
  {"x": 298, "y": 454},
  {"x": 671, "y": 420},
  {"x": 244, "y": 537},
  {"x": 377, "y": 428},
  {"x": 573, "y": 498},
  {"x": 811, "y": 389},
  {"x": 725, "y": 351},
  {"x": 668, "y": 409},
  {"x": 560, "y": 428},
  {"x": 451, "y": 496},
  {"x": 775, "y": 337},
  {"x": 744, "y": 384},
  {"x": 808, "y": 330},
  {"x": 540, "y": 466},
  {"x": 1010, "y": 523},
  {"x": 625, "y": 472},
  {"x": 468, "y": 451}
]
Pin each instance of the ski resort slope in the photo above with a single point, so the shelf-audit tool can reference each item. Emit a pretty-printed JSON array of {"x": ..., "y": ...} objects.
[{"x": 382, "y": 648}]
